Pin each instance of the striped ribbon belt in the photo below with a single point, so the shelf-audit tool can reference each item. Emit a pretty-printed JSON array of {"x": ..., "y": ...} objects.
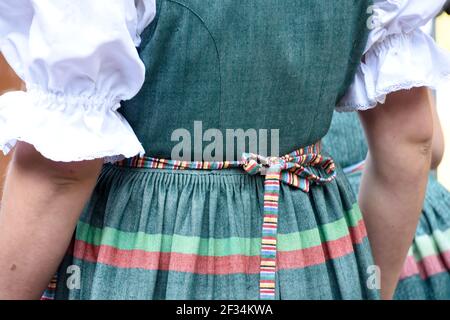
[
  {"x": 294, "y": 169},
  {"x": 358, "y": 167}
]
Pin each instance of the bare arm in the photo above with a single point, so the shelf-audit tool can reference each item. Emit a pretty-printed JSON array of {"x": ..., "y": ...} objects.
[
  {"x": 438, "y": 145},
  {"x": 8, "y": 80},
  {"x": 41, "y": 203},
  {"x": 393, "y": 185},
  {"x": 3, "y": 165}
]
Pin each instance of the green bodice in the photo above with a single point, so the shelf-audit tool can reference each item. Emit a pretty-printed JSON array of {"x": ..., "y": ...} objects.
[{"x": 246, "y": 64}]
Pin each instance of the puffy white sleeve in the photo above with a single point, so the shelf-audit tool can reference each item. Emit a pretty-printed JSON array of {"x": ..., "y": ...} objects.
[
  {"x": 399, "y": 53},
  {"x": 78, "y": 59}
]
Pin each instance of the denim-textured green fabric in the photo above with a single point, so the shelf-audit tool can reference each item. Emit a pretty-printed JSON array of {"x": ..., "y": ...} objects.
[
  {"x": 345, "y": 139},
  {"x": 260, "y": 64}
]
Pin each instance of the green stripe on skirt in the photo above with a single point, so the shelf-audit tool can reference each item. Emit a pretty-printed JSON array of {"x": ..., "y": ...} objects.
[{"x": 160, "y": 234}]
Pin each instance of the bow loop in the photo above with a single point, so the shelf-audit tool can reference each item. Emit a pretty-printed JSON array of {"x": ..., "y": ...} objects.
[{"x": 254, "y": 163}]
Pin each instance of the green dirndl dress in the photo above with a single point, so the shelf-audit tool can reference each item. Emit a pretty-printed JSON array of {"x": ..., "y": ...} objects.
[
  {"x": 150, "y": 232},
  {"x": 426, "y": 272}
]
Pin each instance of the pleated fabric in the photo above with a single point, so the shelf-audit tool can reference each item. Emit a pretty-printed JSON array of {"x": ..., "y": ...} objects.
[{"x": 163, "y": 234}]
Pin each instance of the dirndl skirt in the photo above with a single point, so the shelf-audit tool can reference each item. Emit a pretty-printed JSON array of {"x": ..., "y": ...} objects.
[
  {"x": 426, "y": 273},
  {"x": 164, "y": 234}
]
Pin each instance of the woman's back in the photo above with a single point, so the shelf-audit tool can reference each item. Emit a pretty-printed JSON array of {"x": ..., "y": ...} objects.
[{"x": 251, "y": 65}]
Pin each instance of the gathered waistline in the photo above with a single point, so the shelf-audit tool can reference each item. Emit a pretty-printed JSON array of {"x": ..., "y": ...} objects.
[
  {"x": 294, "y": 169},
  {"x": 189, "y": 172}
]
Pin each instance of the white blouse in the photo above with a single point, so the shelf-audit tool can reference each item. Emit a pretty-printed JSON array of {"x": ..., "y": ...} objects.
[
  {"x": 79, "y": 60},
  {"x": 399, "y": 53}
]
